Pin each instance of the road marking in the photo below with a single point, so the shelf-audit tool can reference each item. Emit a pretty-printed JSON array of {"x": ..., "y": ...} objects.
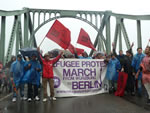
[{"x": 5, "y": 97}]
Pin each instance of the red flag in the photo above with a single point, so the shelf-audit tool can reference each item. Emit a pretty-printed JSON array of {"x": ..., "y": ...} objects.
[
  {"x": 79, "y": 51},
  {"x": 121, "y": 83},
  {"x": 84, "y": 39},
  {"x": 72, "y": 48},
  {"x": 59, "y": 34}
]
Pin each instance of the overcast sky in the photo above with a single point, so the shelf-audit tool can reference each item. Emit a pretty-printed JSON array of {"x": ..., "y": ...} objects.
[
  {"x": 119, "y": 6},
  {"x": 134, "y": 7}
]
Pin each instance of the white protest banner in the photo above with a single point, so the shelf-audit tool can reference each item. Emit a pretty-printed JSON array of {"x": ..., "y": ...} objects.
[{"x": 79, "y": 77}]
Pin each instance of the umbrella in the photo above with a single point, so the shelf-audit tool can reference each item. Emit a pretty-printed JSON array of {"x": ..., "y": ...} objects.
[
  {"x": 29, "y": 51},
  {"x": 55, "y": 52},
  {"x": 67, "y": 53}
]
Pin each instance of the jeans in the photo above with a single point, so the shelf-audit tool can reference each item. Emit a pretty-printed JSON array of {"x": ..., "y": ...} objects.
[
  {"x": 20, "y": 88},
  {"x": 32, "y": 90},
  {"x": 139, "y": 86}
]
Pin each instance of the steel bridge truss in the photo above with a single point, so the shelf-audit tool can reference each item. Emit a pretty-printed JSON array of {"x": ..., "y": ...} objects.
[{"x": 25, "y": 37}]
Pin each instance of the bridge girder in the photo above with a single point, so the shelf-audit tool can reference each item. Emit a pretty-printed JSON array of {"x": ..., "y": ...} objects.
[{"x": 26, "y": 37}]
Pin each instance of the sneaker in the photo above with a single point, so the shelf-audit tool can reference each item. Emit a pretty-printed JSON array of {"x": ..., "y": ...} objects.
[
  {"x": 37, "y": 98},
  {"x": 23, "y": 98},
  {"x": 29, "y": 99},
  {"x": 148, "y": 102},
  {"x": 132, "y": 94},
  {"x": 52, "y": 98},
  {"x": 14, "y": 99},
  {"x": 45, "y": 99}
]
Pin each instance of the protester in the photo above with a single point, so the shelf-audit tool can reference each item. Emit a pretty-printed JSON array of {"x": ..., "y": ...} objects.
[
  {"x": 145, "y": 68},
  {"x": 1, "y": 76},
  {"x": 125, "y": 78},
  {"x": 99, "y": 55},
  {"x": 48, "y": 74},
  {"x": 1, "y": 66},
  {"x": 113, "y": 68},
  {"x": 129, "y": 70},
  {"x": 8, "y": 65},
  {"x": 68, "y": 54},
  {"x": 51, "y": 55},
  {"x": 4, "y": 83},
  {"x": 33, "y": 67},
  {"x": 3, "y": 79},
  {"x": 136, "y": 61},
  {"x": 120, "y": 57},
  {"x": 7, "y": 72},
  {"x": 84, "y": 55},
  {"x": 17, "y": 72}
]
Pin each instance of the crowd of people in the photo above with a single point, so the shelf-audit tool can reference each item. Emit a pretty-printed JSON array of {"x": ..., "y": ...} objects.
[
  {"x": 5, "y": 83},
  {"x": 132, "y": 70},
  {"x": 129, "y": 73}
]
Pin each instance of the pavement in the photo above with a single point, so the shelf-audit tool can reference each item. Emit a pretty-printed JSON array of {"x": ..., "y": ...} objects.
[
  {"x": 102, "y": 103},
  {"x": 140, "y": 101}
]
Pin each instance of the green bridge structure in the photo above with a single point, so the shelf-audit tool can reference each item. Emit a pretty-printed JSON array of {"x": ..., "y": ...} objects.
[{"x": 24, "y": 29}]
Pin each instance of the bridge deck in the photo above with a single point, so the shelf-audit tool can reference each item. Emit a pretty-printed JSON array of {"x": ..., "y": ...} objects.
[{"x": 103, "y": 103}]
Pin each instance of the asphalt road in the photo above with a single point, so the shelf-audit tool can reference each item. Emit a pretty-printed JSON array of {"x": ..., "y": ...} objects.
[{"x": 102, "y": 103}]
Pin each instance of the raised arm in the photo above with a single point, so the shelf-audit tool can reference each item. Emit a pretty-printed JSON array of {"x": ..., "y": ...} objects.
[
  {"x": 38, "y": 49},
  {"x": 114, "y": 51},
  {"x": 131, "y": 48},
  {"x": 57, "y": 58}
]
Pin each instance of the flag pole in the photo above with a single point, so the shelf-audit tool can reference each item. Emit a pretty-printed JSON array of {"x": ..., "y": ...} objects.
[
  {"x": 42, "y": 41},
  {"x": 148, "y": 42}
]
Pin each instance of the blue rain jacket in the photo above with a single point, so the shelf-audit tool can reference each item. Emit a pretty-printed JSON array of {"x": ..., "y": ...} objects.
[
  {"x": 136, "y": 61},
  {"x": 17, "y": 68},
  {"x": 112, "y": 67},
  {"x": 32, "y": 75}
]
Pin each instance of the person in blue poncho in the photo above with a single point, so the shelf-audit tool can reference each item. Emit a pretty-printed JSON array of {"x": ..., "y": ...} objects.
[
  {"x": 17, "y": 72},
  {"x": 136, "y": 61},
  {"x": 113, "y": 67},
  {"x": 33, "y": 69}
]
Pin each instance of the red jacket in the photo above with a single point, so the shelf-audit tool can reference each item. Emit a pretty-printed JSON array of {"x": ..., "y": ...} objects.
[{"x": 48, "y": 67}]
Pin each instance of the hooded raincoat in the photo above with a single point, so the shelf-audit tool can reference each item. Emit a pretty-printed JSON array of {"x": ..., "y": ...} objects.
[{"x": 112, "y": 67}]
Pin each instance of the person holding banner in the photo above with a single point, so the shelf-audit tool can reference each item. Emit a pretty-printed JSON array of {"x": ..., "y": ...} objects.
[
  {"x": 48, "y": 74},
  {"x": 113, "y": 68}
]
